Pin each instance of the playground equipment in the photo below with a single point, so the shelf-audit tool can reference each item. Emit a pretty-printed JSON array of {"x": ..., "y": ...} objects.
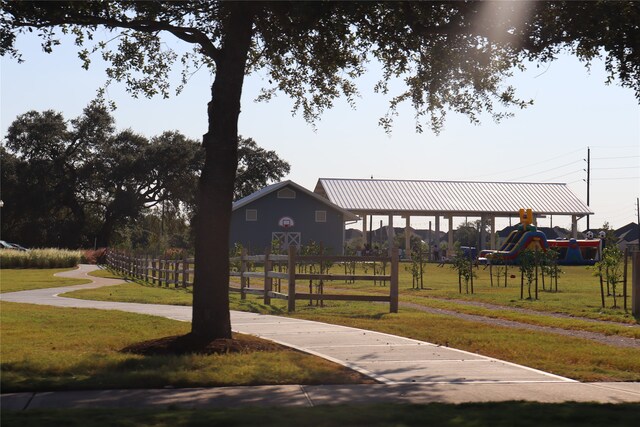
[
  {"x": 525, "y": 237},
  {"x": 577, "y": 252}
]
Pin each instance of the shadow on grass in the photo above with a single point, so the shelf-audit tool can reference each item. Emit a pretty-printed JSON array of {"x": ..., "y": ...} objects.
[
  {"x": 179, "y": 361},
  {"x": 465, "y": 415}
]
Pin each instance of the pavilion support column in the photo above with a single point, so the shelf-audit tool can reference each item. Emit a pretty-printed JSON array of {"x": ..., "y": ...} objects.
[
  {"x": 574, "y": 226},
  {"x": 493, "y": 233},
  {"x": 390, "y": 234},
  {"x": 483, "y": 233},
  {"x": 364, "y": 230},
  {"x": 437, "y": 239},
  {"x": 450, "y": 252},
  {"x": 407, "y": 237}
]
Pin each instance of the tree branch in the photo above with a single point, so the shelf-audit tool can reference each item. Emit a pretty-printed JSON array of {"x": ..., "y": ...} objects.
[{"x": 187, "y": 34}]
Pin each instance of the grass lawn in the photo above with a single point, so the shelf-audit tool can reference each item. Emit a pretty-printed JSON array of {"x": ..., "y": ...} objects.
[
  {"x": 12, "y": 280},
  {"x": 507, "y": 414},
  {"x": 575, "y": 358},
  {"x": 137, "y": 292},
  {"x": 51, "y": 348},
  {"x": 578, "y": 291},
  {"x": 571, "y": 357}
]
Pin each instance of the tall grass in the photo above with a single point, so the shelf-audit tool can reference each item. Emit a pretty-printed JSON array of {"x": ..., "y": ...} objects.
[{"x": 40, "y": 258}]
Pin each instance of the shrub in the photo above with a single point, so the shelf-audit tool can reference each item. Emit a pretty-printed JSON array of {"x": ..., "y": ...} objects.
[
  {"x": 95, "y": 256},
  {"x": 39, "y": 258}
]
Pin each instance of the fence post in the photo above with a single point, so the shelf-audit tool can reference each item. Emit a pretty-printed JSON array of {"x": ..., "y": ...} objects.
[
  {"x": 268, "y": 281},
  {"x": 624, "y": 285},
  {"x": 176, "y": 275},
  {"x": 165, "y": 271},
  {"x": 635, "y": 283},
  {"x": 185, "y": 274},
  {"x": 153, "y": 271},
  {"x": 243, "y": 268},
  {"x": 291, "y": 306},
  {"x": 393, "y": 286}
]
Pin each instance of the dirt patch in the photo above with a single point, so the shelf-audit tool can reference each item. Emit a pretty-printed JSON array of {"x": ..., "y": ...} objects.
[{"x": 189, "y": 344}]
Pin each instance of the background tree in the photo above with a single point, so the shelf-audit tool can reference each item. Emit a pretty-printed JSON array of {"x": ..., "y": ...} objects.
[
  {"x": 257, "y": 167},
  {"x": 611, "y": 267},
  {"x": 468, "y": 234},
  {"x": 135, "y": 174},
  {"x": 463, "y": 264},
  {"x": 450, "y": 56},
  {"x": 79, "y": 183},
  {"x": 44, "y": 207}
]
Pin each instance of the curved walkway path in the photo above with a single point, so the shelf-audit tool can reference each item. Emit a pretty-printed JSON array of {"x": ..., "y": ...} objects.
[{"x": 408, "y": 370}]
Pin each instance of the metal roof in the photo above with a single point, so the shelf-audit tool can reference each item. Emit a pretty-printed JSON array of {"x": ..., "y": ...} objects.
[
  {"x": 392, "y": 196},
  {"x": 348, "y": 216}
]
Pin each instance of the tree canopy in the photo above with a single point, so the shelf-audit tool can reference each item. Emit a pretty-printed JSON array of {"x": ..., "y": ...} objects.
[
  {"x": 449, "y": 55},
  {"x": 66, "y": 183}
]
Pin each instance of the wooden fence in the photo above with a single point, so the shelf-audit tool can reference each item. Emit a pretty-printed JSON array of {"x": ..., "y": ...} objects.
[
  {"x": 274, "y": 269},
  {"x": 294, "y": 277},
  {"x": 157, "y": 271}
]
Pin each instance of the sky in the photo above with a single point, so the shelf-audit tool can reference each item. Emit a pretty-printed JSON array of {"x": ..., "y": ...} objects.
[{"x": 573, "y": 110}]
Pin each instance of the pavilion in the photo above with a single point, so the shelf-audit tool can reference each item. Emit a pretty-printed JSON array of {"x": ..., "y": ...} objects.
[{"x": 449, "y": 199}]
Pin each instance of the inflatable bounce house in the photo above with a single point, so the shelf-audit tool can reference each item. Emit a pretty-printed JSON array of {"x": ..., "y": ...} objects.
[
  {"x": 525, "y": 237},
  {"x": 577, "y": 252}
]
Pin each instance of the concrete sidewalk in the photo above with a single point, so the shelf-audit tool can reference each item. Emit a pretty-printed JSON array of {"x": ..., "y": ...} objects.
[
  {"x": 308, "y": 396},
  {"x": 408, "y": 370}
]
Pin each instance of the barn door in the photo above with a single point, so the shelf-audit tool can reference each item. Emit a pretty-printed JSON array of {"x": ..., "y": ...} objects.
[{"x": 286, "y": 239}]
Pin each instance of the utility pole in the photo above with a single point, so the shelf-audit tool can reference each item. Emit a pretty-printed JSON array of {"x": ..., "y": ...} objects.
[
  {"x": 638, "y": 212},
  {"x": 588, "y": 180}
]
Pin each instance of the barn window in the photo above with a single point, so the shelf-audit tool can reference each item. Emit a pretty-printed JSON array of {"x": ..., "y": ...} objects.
[
  {"x": 251, "y": 215},
  {"x": 286, "y": 193},
  {"x": 321, "y": 216}
]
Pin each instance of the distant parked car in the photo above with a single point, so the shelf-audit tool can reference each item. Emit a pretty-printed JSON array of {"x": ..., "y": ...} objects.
[
  {"x": 19, "y": 247},
  {"x": 5, "y": 245},
  {"x": 14, "y": 246}
]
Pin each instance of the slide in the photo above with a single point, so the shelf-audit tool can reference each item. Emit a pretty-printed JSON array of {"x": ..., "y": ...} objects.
[
  {"x": 511, "y": 240},
  {"x": 516, "y": 242}
]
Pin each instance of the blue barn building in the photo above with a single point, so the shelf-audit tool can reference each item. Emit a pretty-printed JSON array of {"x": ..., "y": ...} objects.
[{"x": 291, "y": 214}]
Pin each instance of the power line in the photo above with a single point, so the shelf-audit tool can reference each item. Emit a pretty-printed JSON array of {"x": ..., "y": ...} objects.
[
  {"x": 624, "y": 177},
  {"x": 547, "y": 170},
  {"x": 560, "y": 176},
  {"x": 613, "y": 158},
  {"x": 623, "y": 167},
  {"x": 525, "y": 166}
]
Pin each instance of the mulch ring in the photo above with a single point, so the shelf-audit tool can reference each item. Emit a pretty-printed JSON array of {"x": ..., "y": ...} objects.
[{"x": 189, "y": 344}]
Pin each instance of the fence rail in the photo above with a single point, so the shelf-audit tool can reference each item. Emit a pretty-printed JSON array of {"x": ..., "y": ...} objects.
[
  {"x": 291, "y": 268},
  {"x": 162, "y": 271}
]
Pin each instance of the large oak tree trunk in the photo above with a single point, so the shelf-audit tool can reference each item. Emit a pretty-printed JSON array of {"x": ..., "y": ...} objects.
[{"x": 211, "y": 319}]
